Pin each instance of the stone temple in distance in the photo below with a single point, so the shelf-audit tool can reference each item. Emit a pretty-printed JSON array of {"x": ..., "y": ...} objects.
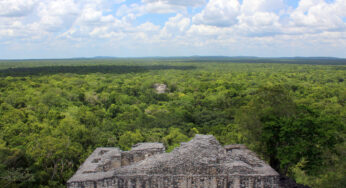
[{"x": 199, "y": 163}]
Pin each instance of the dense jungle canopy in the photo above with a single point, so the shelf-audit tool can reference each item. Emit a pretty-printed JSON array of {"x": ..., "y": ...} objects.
[{"x": 54, "y": 113}]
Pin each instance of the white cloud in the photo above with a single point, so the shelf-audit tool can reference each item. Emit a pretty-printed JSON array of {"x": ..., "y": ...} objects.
[
  {"x": 253, "y": 6},
  {"x": 219, "y": 13},
  {"x": 219, "y": 27},
  {"x": 16, "y": 8},
  {"x": 57, "y": 15},
  {"x": 159, "y": 7},
  {"x": 259, "y": 24},
  {"x": 176, "y": 25},
  {"x": 185, "y": 3},
  {"x": 146, "y": 33},
  {"x": 318, "y": 15},
  {"x": 148, "y": 27},
  {"x": 252, "y": 17},
  {"x": 96, "y": 25},
  {"x": 90, "y": 15},
  {"x": 261, "y": 19}
]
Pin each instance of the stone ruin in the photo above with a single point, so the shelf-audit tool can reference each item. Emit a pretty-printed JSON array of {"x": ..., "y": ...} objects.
[
  {"x": 199, "y": 163},
  {"x": 160, "y": 88}
]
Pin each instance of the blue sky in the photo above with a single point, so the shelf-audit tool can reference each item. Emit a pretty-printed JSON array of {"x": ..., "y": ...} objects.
[{"x": 137, "y": 28}]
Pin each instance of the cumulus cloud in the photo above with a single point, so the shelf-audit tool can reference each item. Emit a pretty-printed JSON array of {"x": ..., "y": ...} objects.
[
  {"x": 252, "y": 6},
  {"x": 91, "y": 23},
  {"x": 260, "y": 17},
  {"x": 232, "y": 25},
  {"x": 219, "y": 13},
  {"x": 318, "y": 15},
  {"x": 16, "y": 8},
  {"x": 191, "y": 3},
  {"x": 159, "y": 7},
  {"x": 252, "y": 17},
  {"x": 56, "y": 15},
  {"x": 175, "y": 26}
]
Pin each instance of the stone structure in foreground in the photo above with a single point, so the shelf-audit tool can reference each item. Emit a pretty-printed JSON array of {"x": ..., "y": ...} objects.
[{"x": 199, "y": 163}]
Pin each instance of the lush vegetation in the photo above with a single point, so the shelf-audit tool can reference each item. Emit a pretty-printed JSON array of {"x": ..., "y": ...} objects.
[{"x": 53, "y": 114}]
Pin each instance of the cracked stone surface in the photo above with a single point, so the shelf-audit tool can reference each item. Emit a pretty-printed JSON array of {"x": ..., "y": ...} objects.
[{"x": 201, "y": 162}]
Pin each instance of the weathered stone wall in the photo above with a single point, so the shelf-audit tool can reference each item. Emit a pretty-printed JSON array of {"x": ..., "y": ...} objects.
[
  {"x": 115, "y": 162},
  {"x": 199, "y": 163},
  {"x": 130, "y": 157},
  {"x": 220, "y": 181}
]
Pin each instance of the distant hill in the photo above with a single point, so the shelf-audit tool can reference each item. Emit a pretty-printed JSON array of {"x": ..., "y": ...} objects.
[{"x": 222, "y": 59}]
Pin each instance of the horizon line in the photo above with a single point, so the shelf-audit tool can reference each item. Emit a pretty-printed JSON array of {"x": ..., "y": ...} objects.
[{"x": 180, "y": 57}]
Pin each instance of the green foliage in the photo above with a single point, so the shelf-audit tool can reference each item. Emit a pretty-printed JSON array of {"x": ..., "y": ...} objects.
[
  {"x": 332, "y": 173},
  {"x": 286, "y": 132},
  {"x": 128, "y": 139},
  {"x": 53, "y": 114},
  {"x": 174, "y": 138},
  {"x": 9, "y": 175}
]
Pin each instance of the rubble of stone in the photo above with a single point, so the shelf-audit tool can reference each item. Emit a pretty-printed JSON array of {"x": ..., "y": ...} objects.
[
  {"x": 201, "y": 162},
  {"x": 160, "y": 88}
]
